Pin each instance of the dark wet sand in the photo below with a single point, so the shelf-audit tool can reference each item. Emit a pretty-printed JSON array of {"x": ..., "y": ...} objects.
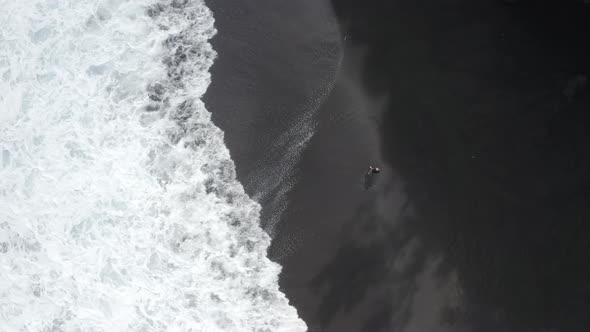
[{"x": 477, "y": 112}]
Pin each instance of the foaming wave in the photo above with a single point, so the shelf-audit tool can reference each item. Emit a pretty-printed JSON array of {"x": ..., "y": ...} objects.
[{"x": 119, "y": 205}]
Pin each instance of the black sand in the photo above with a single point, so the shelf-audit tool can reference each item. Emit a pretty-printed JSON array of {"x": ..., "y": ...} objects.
[{"x": 476, "y": 112}]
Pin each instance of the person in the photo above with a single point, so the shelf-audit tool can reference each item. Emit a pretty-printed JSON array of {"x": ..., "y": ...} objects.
[
  {"x": 370, "y": 180},
  {"x": 373, "y": 170}
]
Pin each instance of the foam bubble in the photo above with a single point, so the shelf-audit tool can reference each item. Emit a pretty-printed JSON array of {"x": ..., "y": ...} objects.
[{"x": 119, "y": 204}]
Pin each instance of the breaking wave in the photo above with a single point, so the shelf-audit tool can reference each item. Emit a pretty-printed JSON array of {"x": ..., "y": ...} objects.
[{"x": 119, "y": 204}]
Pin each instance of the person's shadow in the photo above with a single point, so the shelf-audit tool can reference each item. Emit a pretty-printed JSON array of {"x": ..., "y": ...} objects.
[{"x": 370, "y": 180}]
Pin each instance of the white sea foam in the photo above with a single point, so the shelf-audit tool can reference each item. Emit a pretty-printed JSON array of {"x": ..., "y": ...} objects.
[{"x": 119, "y": 205}]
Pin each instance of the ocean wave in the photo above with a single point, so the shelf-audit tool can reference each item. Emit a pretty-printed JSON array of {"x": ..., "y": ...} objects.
[{"x": 119, "y": 204}]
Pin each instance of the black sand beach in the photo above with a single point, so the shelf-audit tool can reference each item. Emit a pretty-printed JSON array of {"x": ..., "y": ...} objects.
[{"x": 476, "y": 113}]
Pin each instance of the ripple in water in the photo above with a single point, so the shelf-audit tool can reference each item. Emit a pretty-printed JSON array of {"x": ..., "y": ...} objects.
[{"x": 119, "y": 204}]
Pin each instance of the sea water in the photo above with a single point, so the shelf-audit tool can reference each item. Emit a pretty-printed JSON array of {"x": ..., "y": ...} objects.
[{"x": 119, "y": 204}]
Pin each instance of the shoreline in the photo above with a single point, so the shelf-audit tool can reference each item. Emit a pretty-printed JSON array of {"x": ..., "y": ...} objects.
[{"x": 275, "y": 63}]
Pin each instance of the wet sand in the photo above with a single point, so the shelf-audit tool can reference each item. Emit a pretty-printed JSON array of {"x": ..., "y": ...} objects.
[{"x": 476, "y": 113}]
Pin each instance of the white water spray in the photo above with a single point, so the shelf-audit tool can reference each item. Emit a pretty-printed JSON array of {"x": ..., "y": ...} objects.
[{"x": 119, "y": 205}]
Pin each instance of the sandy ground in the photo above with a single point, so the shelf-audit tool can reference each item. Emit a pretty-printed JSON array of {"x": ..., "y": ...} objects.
[{"x": 476, "y": 112}]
